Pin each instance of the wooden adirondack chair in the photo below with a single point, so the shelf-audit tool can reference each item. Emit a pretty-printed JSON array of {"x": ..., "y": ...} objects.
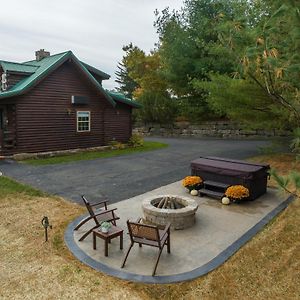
[
  {"x": 98, "y": 216},
  {"x": 150, "y": 235}
]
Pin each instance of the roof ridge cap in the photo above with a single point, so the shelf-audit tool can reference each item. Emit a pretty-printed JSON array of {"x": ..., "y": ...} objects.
[
  {"x": 64, "y": 52},
  {"x": 16, "y": 63},
  {"x": 27, "y": 64},
  {"x": 47, "y": 68}
]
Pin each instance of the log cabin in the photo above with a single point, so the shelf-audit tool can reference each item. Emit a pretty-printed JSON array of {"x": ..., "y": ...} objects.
[{"x": 57, "y": 102}]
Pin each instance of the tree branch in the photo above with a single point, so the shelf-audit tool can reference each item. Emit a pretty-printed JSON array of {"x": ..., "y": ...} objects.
[{"x": 277, "y": 98}]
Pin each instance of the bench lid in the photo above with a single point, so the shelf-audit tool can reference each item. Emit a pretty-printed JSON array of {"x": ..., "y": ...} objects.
[{"x": 230, "y": 167}]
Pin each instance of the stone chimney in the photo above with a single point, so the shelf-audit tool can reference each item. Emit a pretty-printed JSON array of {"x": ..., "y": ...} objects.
[{"x": 40, "y": 54}]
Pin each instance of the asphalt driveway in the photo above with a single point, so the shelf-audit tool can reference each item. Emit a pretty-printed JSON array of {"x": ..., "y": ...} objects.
[{"x": 122, "y": 177}]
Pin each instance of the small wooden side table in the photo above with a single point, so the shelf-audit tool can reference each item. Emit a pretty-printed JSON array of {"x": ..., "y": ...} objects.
[{"x": 113, "y": 232}]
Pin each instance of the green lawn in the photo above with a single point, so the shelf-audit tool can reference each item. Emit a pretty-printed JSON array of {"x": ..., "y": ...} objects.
[
  {"x": 148, "y": 146},
  {"x": 9, "y": 186}
]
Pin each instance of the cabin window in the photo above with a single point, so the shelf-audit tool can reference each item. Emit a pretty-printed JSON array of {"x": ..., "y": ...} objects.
[{"x": 83, "y": 121}]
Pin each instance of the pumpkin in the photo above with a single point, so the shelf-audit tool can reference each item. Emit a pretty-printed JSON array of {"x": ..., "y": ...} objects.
[
  {"x": 225, "y": 200},
  {"x": 194, "y": 192}
]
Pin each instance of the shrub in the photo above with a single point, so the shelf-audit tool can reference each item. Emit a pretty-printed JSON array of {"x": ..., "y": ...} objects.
[
  {"x": 116, "y": 145},
  {"x": 136, "y": 141}
]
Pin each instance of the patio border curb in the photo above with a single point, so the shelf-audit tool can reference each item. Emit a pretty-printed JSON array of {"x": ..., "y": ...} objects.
[{"x": 200, "y": 271}]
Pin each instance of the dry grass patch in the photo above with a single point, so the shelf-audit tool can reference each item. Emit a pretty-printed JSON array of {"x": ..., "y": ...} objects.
[
  {"x": 33, "y": 269},
  {"x": 267, "y": 267},
  {"x": 283, "y": 163}
]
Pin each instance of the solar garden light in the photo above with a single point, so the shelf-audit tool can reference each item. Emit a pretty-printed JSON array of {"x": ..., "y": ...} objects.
[{"x": 46, "y": 224}]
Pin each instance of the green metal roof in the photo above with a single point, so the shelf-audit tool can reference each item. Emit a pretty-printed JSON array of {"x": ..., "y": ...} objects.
[
  {"x": 92, "y": 78},
  {"x": 8, "y": 66},
  {"x": 45, "y": 66},
  {"x": 121, "y": 98},
  {"x": 40, "y": 69},
  {"x": 90, "y": 68},
  {"x": 96, "y": 71}
]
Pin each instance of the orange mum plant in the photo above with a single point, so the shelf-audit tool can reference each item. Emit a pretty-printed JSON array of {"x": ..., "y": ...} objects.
[
  {"x": 192, "y": 182},
  {"x": 237, "y": 192}
]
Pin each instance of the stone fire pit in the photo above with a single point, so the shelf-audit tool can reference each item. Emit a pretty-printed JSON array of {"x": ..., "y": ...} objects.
[{"x": 179, "y": 211}]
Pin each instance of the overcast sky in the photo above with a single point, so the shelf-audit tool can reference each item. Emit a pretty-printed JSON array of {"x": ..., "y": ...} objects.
[{"x": 95, "y": 30}]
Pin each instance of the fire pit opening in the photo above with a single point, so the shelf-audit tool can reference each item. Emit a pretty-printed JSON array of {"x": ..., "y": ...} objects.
[
  {"x": 179, "y": 211},
  {"x": 168, "y": 202}
]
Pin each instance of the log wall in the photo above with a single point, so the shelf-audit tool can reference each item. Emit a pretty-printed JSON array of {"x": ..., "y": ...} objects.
[{"x": 46, "y": 118}]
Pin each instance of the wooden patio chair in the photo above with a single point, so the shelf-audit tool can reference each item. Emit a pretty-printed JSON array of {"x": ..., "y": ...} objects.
[
  {"x": 98, "y": 216},
  {"x": 150, "y": 235}
]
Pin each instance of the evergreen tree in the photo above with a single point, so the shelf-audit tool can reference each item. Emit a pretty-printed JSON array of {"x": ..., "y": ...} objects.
[
  {"x": 126, "y": 84},
  {"x": 190, "y": 48},
  {"x": 264, "y": 89},
  {"x": 273, "y": 63}
]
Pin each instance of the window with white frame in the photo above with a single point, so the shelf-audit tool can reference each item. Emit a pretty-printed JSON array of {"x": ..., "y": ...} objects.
[{"x": 83, "y": 121}]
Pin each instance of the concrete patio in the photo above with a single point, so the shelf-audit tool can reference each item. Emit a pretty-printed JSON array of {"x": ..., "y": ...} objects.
[{"x": 219, "y": 232}]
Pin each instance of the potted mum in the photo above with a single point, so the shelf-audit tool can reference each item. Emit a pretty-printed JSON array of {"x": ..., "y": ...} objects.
[
  {"x": 105, "y": 226},
  {"x": 192, "y": 183},
  {"x": 236, "y": 193}
]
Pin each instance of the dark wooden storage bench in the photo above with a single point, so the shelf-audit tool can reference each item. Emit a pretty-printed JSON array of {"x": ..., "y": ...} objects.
[{"x": 232, "y": 172}]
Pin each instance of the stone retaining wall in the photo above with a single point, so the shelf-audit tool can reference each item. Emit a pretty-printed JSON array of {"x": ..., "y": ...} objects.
[{"x": 220, "y": 129}]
